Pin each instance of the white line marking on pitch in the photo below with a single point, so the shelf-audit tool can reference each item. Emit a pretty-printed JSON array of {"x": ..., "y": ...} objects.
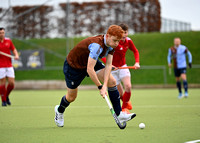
[
  {"x": 88, "y": 107},
  {"x": 195, "y": 141}
]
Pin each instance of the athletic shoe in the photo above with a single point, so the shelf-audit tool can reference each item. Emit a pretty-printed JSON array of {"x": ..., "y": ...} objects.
[
  {"x": 123, "y": 117},
  {"x": 4, "y": 103},
  {"x": 125, "y": 110},
  {"x": 8, "y": 101},
  {"x": 127, "y": 105},
  {"x": 180, "y": 96},
  {"x": 186, "y": 94},
  {"x": 59, "y": 117}
]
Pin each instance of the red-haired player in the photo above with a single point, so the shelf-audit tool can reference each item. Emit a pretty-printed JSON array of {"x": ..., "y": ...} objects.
[
  {"x": 6, "y": 69},
  {"x": 83, "y": 61},
  {"x": 123, "y": 75}
]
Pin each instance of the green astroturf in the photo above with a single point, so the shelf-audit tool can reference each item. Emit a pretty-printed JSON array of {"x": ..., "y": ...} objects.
[{"x": 30, "y": 119}]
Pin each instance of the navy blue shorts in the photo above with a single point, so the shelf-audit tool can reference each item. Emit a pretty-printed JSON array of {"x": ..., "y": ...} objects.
[
  {"x": 178, "y": 72},
  {"x": 74, "y": 77}
]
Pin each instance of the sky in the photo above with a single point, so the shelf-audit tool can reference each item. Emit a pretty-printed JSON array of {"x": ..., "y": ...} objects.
[{"x": 181, "y": 10}]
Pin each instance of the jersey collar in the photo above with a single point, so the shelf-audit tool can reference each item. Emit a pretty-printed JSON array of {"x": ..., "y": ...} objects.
[
  {"x": 122, "y": 42},
  {"x": 105, "y": 42}
]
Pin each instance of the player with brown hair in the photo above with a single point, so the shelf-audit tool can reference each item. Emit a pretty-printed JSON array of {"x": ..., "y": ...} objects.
[{"x": 123, "y": 75}]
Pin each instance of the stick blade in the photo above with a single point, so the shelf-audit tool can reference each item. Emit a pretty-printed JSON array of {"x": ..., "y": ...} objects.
[
  {"x": 121, "y": 126},
  {"x": 128, "y": 67}
]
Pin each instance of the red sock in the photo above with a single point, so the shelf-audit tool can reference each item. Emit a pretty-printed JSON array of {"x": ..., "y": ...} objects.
[
  {"x": 126, "y": 98},
  {"x": 3, "y": 92},
  {"x": 9, "y": 89}
]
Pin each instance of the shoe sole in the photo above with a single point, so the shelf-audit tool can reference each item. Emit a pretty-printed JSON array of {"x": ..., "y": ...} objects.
[
  {"x": 133, "y": 116},
  {"x": 58, "y": 125}
]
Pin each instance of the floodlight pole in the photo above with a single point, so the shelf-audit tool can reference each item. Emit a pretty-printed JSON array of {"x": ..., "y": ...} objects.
[{"x": 67, "y": 26}]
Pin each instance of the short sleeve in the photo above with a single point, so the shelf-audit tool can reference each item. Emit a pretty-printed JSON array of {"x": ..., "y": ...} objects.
[{"x": 95, "y": 50}]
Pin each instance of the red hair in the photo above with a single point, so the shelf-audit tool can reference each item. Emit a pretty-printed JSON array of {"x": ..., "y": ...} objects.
[{"x": 115, "y": 30}]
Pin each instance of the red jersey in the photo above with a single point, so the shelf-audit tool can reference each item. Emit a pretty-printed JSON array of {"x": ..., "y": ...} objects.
[
  {"x": 120, "y": 52},
  {"x": 6, "y": 46}
]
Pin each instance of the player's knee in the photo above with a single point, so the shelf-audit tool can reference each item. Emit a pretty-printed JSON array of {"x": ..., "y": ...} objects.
[
  {"x": 12, "y": 83},
  {"x": 70, "y": 98},
  {"x": 3, "y": 81},
  {"x": 128, "y": 87},
  {"x": 112, "y": 82}
]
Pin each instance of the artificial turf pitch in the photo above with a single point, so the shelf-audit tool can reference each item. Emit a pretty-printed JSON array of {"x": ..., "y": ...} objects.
[{"x": 30, "y": 118}]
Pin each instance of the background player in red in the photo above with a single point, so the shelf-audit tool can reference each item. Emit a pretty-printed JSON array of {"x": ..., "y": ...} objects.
[
  {"x": 6, "y": 69},
  {"x": 123, "y": 75}
]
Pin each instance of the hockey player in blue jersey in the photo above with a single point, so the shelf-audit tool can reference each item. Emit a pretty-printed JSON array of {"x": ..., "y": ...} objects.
[{"x": 178, "y": 54}]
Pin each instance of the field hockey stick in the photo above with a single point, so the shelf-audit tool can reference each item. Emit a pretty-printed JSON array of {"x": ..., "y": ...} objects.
[
  {"x": 7, "y": 55},
  {"x": 128, "y": 67},
  {"x": 121, "y": 126}
]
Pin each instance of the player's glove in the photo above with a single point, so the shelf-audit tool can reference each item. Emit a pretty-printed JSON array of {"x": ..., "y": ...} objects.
[{"x": 190, "y": 65}]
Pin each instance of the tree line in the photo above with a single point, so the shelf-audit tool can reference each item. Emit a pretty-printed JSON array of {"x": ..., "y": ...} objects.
[{"x": 87, "y": 18}]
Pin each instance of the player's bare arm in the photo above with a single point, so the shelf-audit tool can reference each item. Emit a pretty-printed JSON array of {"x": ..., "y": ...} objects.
[
  {"x": 90, "y": 70},
  {"x": 108, "y": 68},
  {"x": 16, "y": 54},
  {"x": 136, "y": 54},
  {"x": 106, "y": 76}
]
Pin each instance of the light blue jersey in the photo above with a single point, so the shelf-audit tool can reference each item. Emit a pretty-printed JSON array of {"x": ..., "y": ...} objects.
[
  {"x": 178, "y": 54},
  {"x": 95, "y": 50}
]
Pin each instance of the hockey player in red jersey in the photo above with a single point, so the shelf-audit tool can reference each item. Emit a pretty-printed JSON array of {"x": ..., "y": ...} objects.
[{"x": 123, "y": 75}]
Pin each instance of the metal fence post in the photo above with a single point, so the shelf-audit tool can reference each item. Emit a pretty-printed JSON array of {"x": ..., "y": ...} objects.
[{"x": 164, "y": 75}]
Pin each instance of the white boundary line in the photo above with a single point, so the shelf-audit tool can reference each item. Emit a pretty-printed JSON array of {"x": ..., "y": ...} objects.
[
  {"x": 89, "y": 107},
  {"x": 195, "y": 141}
]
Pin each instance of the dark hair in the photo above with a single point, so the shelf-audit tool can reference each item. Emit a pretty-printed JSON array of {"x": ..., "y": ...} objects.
[
  {"x": 1, "y": 28},
  {"x": 124, "y": 26}
]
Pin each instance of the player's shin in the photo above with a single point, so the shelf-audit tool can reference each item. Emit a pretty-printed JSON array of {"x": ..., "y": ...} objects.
[
  {"x": 115, "y": 99},
  {"x": 126, "y": 98},
  {"x": 10, "y": 87},
  {"x": 3, "y": 93},
  {"x": 63, "y": 104},
  {"x": 185, "y": 85},
  {"x": 178, "y": 84}
]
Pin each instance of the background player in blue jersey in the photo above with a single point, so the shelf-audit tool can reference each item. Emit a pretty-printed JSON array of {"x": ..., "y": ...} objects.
[{"x": 178, "y": 53}]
